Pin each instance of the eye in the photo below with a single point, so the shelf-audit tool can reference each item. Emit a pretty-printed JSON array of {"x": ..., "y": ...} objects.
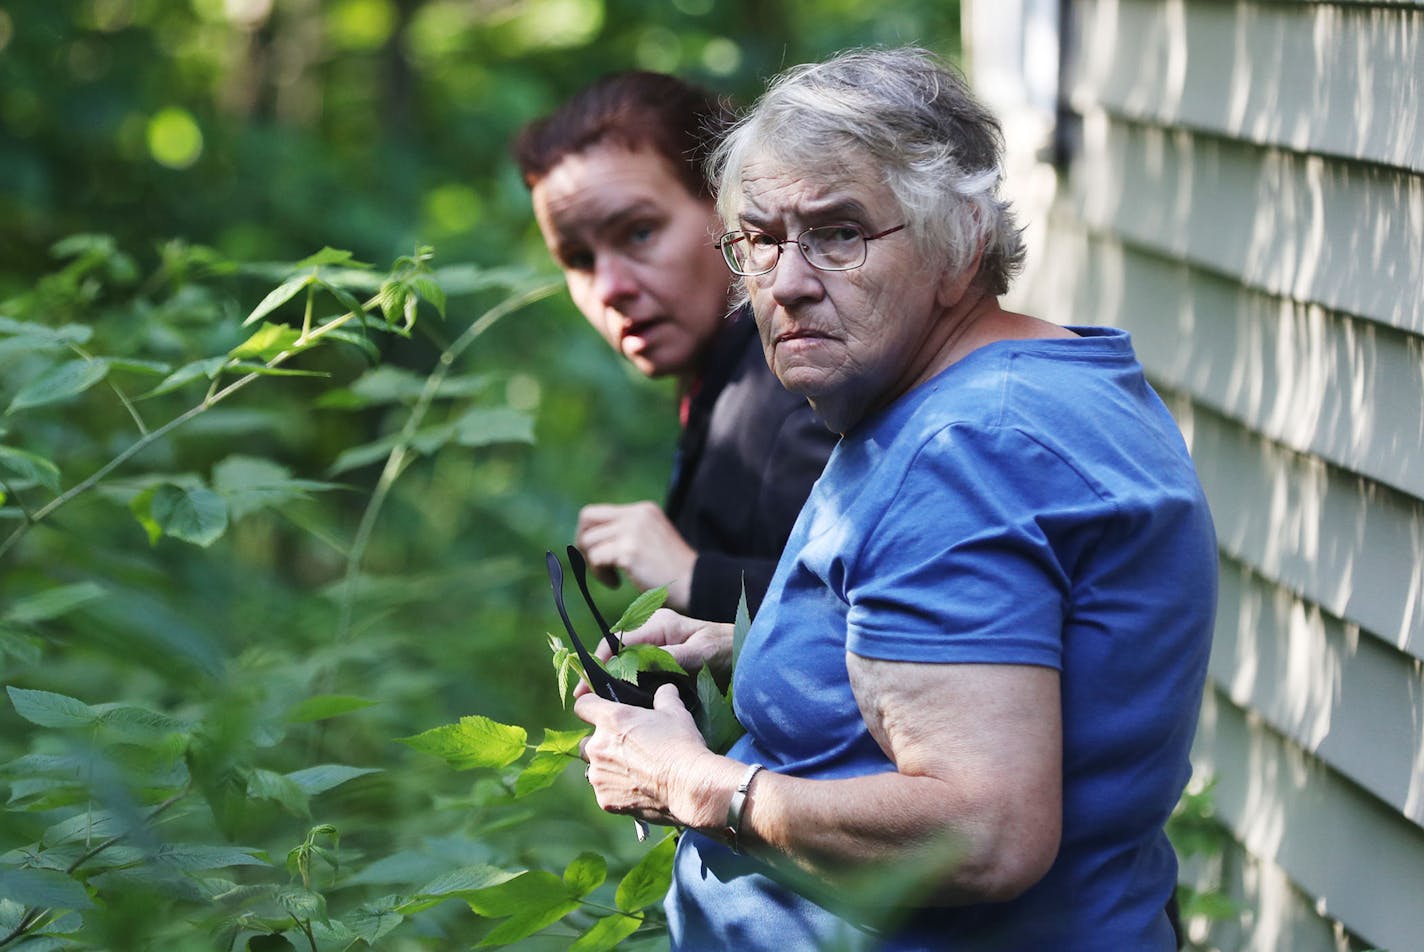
[
  {"x": 641, "y": 233},
  {"x": 836, "y": 234},
  {"x": 576, "y": 259},
  {"x": 761, "y": 240}
]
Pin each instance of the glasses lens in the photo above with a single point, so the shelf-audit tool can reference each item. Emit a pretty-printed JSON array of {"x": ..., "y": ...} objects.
[
  {"x": 834, "y": 247},
  {"x": 750, "y": 252}
]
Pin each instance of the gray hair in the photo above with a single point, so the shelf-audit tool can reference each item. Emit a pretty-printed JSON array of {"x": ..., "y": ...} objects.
[{"x": 912, "y": 116}]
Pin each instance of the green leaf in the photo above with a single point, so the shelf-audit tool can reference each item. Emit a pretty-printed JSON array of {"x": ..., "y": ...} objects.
[
  {"x": 324, "y": 706},
  {"x": 530, "y": 890},
  {"x": 268, "y": 785},
  {"x": 192, "y": 857},
  {"x": 343, "y": 296},
  {"x": 60, "y": 382},
  {"x": 634, "y": 658},
  {"x": 358, "y": 340},
  {"x": 249, "y": 483},
  {"x": 563, "y": 742},
  {"x": 42, "y": 888},
  {"x": 303, "y": 904},
  {"x": 267, "y": 342},
  {"x": 329, "y": 256},
  {"x": 137, "y": 723},
  {"x": 741, "y": 625},
  {"x": 262, "y": 370},
  {"x": 363, "y": 455},
  {"x": 48, "y": 709},
  {"x": 391, "y": 299},
  {"x": 556, "y": 752},
  {"x": 87, "y": 826},
  {"x": 20, "y": 645},
  {"x": 476, "y": 741},
  {"x": 716, "y": 719},
  {"x": 152, "y": 368},
  {"x": 429, "y": 289},
  {"x": 540, "y": 773},
  {"x": 585, "y": 873},
  {"x": 647, "y": 882},
  {"x": 372, "y": 920},
  {"x": 566, "y": 669},
  {"x": 27, "y": 465},
  {"x": 319, "y": 779},
  {"x": 141, "y": 505},
  {"x": 279, "y": 296},
  {"x": 208, "y": 368},
  {"x": 55, "y": 336},
  {"x": 197, "y": 515},
  {"x": 487, "y": 426},
  {"x": 607, "y": 932},
  {"x": 524, "y": 924},
  {"x": 53, "y": 602},
  {"x": 465, "y": 880},
  {"x": 636, "y": 615}
]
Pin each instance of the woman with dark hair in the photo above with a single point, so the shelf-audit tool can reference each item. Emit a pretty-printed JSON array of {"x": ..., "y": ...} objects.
[
  {"x": 978, "y": 667},
  {"x": 617, "y": 182}
]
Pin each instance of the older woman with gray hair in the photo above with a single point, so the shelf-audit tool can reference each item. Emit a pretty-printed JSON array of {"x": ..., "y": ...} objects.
[{"x": 979, "y": 664}]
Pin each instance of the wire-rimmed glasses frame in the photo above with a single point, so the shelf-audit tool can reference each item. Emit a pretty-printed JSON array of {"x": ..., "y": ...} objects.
[{"x": 838, "y": 247}]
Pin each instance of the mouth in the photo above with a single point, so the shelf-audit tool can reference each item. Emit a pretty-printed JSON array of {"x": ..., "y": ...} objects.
[
  {"x": 800, "y": 333},
  {"x": 637, "y": 331}
]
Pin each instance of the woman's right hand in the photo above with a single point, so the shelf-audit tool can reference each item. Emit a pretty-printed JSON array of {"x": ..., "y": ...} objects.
[{"x": 693, "y": 643}]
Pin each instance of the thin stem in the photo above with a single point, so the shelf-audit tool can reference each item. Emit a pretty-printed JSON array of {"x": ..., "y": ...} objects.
[
  {"x": 213, "y": 397},
  {"x": 395, "y": 462}
]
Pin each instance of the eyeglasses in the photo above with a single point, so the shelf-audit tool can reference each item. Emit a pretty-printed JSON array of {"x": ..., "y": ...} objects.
[
  {"x": 605, "y": 685},
  {"x": 825, "y": 248}
]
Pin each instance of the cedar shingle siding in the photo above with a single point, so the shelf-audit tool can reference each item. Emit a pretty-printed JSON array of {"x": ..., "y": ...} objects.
[{"x": 1243, "y": 190}]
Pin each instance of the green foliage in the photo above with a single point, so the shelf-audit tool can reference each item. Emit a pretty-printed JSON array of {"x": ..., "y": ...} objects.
[
  {"x": 263, "y": 511},
  {"x": 147, "y": 795}
]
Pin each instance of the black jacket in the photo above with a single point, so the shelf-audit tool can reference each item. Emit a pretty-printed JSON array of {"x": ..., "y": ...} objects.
[{"x": 747, "y": 458}]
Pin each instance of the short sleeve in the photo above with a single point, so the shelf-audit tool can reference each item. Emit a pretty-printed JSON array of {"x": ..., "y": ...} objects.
[{"x": 970, "y": 558}]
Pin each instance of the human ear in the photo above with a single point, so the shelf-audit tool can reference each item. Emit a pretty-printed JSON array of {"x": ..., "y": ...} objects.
[{"x": 954, "y": 284}]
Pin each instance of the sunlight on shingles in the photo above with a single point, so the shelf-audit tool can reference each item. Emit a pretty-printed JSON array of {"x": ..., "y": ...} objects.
[
  {"x": 1308, "y": 257},
  {"x": 1249, "y": 631},
  {"x": 1414, "y": 801},
  {"x": 1271, "y": 222},
  {"x": 1098, "y": 44},
  {"x": 1408, "y": 33},
  {"x": 1176, "y": 65},
  {"x": 1241, "y": 76},
  {"x": 1361, "y": 350},
  {"x": 1184, "y": 151},
  {"x": 1312, "y": 684},
  {"x": 1415, "y": 595},
  {"x": 1272, "y": 897},
  {"x": 1300, "y": 377},
  {"x": 1363, "y": 81},
  {"x": 1246, "y": 387},
  {"x": 1263, "y": 822}
]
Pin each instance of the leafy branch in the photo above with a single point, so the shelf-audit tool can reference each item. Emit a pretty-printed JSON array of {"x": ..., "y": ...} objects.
[{"x": 408, "y": 282}]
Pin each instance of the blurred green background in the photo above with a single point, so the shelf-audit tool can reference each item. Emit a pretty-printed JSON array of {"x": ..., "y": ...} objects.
[{"x": 265, "y": 130}]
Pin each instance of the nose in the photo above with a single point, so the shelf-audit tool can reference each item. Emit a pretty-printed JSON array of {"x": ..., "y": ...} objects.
[
  {"x": 613, "y": 281},
  {"x": 793, "y": 280}
]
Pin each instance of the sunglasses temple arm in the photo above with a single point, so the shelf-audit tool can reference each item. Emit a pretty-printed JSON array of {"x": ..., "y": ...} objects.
[
  {"x": 598, "y": 679},
  {"x": 580, "y": 567}
]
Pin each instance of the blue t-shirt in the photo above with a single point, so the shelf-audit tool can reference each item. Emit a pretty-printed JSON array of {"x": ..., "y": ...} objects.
[{"x": 1032, "y": 504}]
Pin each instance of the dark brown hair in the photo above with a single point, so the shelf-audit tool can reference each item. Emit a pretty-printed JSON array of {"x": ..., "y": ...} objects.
[{"x": 635, "y": 110}]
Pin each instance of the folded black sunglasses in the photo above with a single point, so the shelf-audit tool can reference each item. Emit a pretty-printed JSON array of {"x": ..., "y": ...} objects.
[{"x": 604, "y": 684}]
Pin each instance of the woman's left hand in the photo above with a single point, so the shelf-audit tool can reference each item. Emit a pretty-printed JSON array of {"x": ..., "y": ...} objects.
[{"x": 646, "y": 763}]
